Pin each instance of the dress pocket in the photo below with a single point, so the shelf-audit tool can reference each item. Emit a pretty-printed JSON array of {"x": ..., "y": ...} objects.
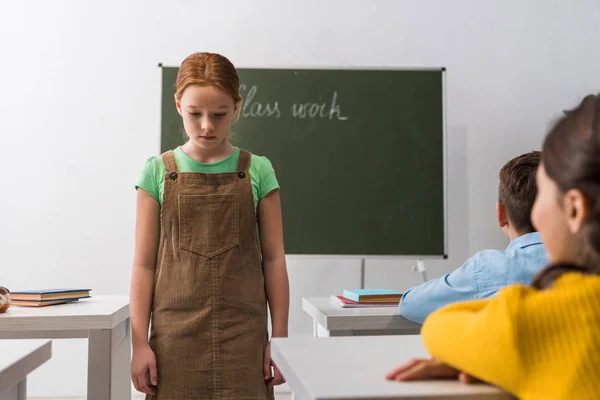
[{"x": 208, "y": 224}]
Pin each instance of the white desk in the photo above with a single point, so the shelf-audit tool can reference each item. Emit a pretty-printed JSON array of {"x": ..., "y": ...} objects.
[
  {"x": 331, "y": 320},
  {"x": 17, "y": 359},
  {"x": 104, "y": 320},
  {"x": 354, "y": 368}
]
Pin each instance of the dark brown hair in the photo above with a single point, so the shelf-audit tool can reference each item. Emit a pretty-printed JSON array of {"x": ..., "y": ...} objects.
[
  {"x": 517, "y": 189},
  {"x": 571, "y": 158}
]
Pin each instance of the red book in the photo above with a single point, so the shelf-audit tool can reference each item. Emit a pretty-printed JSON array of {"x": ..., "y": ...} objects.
[{"x": 343, "y": 302}]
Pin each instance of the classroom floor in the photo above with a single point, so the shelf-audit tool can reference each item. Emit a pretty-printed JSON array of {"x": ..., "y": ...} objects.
[{"x": 278, "y": 396}]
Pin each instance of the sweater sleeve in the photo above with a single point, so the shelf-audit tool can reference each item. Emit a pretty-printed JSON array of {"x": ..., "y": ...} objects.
[
  {"x": 479, "y": 337},
  {"x": 537, "y": 344}
]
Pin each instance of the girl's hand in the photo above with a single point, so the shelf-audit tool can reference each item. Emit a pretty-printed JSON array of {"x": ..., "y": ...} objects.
[
  {"x": 420, "y": 369},
  {"x": 275, "y": 378},
  {"x": 468, "y": 379},
  {"x": 143, "y": 365}
]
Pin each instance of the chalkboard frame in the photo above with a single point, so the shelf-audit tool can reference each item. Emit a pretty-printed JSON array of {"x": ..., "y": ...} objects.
[{"x": 445, "y": 211}]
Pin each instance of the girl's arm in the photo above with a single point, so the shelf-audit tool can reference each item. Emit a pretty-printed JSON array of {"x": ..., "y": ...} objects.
[
  {"x": 142, "y": 281},
  {"x": 486, "y": 338},
  {"x": 276, "y": 278}
]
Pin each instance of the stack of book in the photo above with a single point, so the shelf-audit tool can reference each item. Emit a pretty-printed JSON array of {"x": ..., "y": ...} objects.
[
  {"x": 47, "y": 297},
  {"x": 366, "y": 298}
]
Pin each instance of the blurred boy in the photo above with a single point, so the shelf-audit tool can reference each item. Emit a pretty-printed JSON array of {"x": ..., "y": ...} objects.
[{"x": 489, "y": 270}]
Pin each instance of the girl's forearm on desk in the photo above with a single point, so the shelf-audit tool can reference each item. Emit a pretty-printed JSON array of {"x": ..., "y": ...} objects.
[{"x": 142, "y": 283}]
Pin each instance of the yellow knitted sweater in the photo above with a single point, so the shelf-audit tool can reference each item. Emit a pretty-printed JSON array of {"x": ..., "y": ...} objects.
[{"x": 536, "y": 344}]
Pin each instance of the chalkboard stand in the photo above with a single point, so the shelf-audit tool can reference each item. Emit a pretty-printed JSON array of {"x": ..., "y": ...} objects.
[{"x": 421, "y": 269}]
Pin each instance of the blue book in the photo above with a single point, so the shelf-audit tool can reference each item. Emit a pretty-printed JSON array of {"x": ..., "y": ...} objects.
[
  {"x": 372, "y": 295},
  {"x": 50, "y": 291},
  {"x": 50, "y": 294}
]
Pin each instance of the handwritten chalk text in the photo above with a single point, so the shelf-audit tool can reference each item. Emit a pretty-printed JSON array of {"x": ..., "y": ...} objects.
[{"x": 252, "y": 108}]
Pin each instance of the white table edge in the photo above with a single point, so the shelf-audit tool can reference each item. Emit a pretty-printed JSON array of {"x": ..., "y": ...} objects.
[
  {"x": 42, "y": 323},
  {"x": 299, "y": 388},
  {"x": 340, "y": 322},
  {"x": 303, "y": 392},
  {"x": 314, "y": 313}
]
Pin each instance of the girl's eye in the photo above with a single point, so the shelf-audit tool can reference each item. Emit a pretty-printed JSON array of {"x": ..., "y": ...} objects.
[
  {"x": 195, "y": 114},
  {"x": 220, "y": 115}
]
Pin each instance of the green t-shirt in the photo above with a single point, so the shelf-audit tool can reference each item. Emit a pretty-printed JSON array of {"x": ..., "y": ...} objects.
[{"x": 262, "y": 174}]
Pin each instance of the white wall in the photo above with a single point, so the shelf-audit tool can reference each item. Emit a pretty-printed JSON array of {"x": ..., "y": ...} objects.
[{"x": 80, "y": 112}]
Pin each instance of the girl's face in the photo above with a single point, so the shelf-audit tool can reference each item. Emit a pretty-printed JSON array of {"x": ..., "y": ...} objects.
[
  {"x": 559, "y": 218},
  {"x": 207, "y": 113}
]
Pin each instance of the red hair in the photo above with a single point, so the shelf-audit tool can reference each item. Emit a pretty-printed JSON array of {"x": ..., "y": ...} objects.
[{"x": 208, "y": 69}]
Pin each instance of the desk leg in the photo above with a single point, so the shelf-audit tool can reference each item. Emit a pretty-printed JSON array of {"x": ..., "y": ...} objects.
[
  {"x": 16, "y": 392},
  {"x": 109, "y": 356},
  {"x": 320, "y": 332},
  {"x": 22, "y": 389}
]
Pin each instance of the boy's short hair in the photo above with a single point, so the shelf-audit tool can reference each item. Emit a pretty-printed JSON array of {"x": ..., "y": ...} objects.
[{"x": 517, "y": 189}]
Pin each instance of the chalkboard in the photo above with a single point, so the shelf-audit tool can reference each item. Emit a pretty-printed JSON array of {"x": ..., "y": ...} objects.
[{"x": 359, "y": 155}]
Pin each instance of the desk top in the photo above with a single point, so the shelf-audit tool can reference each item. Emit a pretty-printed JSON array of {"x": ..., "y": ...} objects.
[
  {"x": 332, "y": 317},
  {"x": 19, "y": 358},
  {"x": 354, "y": 368},
  {"x": 97, "y": 312}
]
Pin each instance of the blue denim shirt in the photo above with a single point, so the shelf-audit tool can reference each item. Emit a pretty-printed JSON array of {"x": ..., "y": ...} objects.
[{"x": 479, "y": 277}]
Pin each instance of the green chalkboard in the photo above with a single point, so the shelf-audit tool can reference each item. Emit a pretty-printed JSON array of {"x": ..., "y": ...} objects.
[{"x": 359, "y": 155}]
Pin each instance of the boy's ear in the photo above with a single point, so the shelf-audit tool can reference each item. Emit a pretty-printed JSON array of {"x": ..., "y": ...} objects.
[{"x": 501, "y": 214}]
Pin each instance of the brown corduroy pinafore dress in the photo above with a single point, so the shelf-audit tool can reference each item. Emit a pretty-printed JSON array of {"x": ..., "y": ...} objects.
[{"x": 209, "y": 312}]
